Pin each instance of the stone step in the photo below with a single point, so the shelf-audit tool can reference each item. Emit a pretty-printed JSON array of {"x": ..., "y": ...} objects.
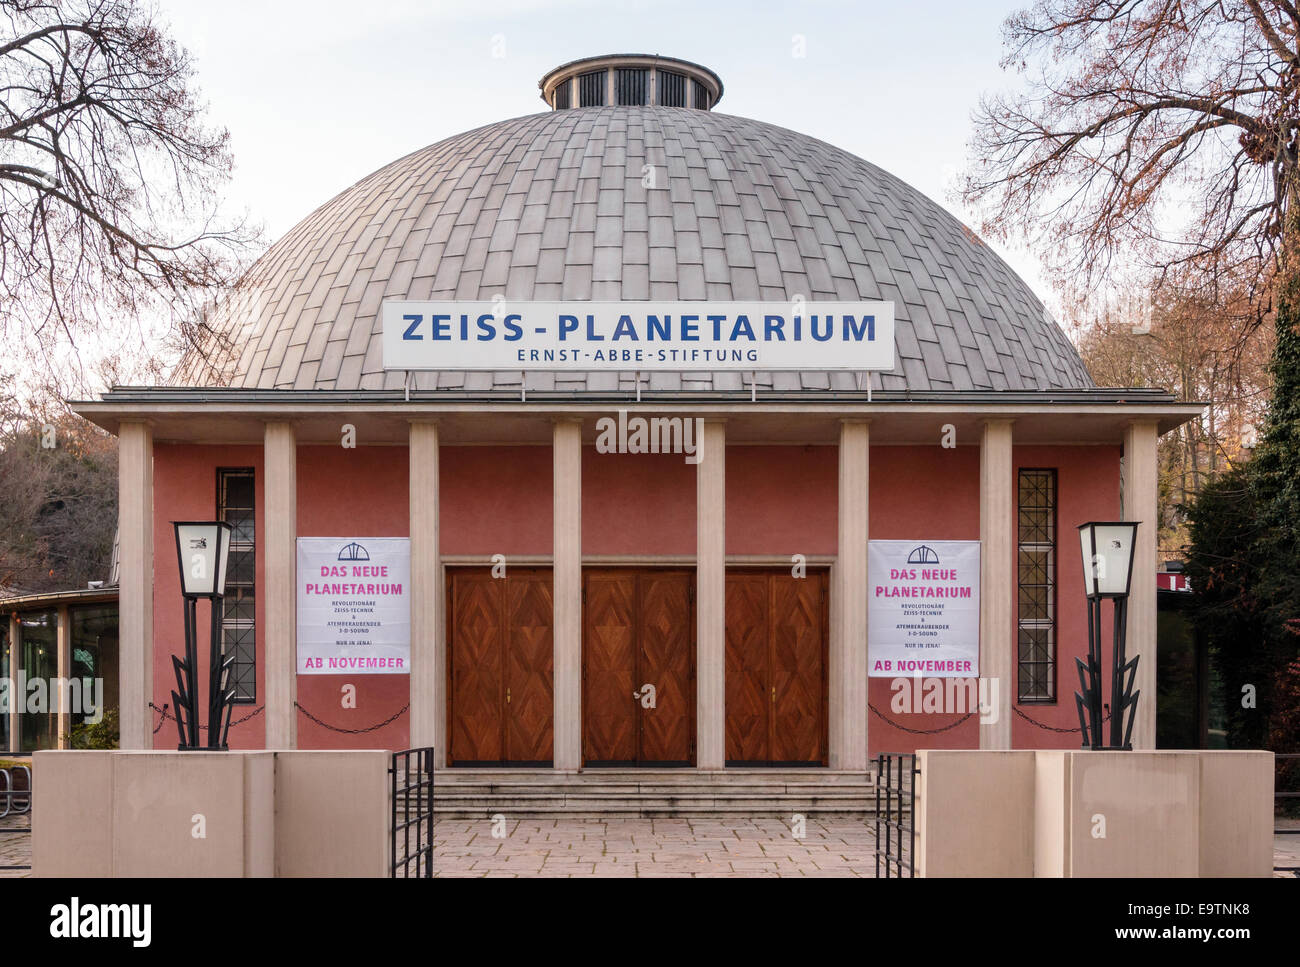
[
  {"x": 652, "y": 811},
  {"x": 595, "y": 795},
  {"x": 451, "y": 790},
  {"x": 584, "y": 806},
  {"x": 470, "y": 793},
  {"x": 676, "y": 777}
]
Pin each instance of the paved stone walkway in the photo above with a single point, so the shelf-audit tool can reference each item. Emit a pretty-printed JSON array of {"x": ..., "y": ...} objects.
[
  {"x": 653, "y": 847},
  {"x": 1286, "y": 848},
  {"x": 15, "y": 848},
  {"x": 641, "y": 847}
]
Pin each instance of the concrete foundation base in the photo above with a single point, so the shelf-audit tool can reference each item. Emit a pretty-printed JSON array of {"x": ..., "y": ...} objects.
[
  {"x": 1066, "y": 814},
  {"x": 236, "y": 814}
]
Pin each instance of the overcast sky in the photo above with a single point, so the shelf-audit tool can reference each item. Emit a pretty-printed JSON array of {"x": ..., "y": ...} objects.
[{"x": 319, "y": 93}]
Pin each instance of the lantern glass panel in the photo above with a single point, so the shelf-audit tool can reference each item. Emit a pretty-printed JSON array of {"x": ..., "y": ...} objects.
[
  {"x": 1114, "y": 557},
  {"x": 197, "y": 545},
  {"x": 1089, "y": 568},
  {"x": 223, "y": 561}
]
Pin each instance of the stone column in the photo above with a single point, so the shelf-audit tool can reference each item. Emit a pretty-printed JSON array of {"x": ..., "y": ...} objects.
[
  {"x": 15, "y": 713},
  {"x": 710, "y": 597},
  {"x": 428, "y": 662},
  {"x": 1140, "y": 484},
  {"x": 135, "y": 583},
  {"x": 280, "y": 530},
  {"x": 61, "y": 696},
  {"x": 566, "y": 550},
  {"x": 848, "y": 643},
  {"x": 997, "y": 579}
]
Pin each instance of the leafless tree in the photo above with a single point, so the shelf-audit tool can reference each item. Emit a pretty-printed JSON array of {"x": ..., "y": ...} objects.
[
  {"x": 1206, "y": 348},
  {"x": 58, "y": 495},
  {"x": 1160, "y": 134},
  {"x": 109, "y": 173}
]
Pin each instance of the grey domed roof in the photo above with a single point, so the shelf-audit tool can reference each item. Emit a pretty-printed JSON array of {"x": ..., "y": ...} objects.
[{"x": 552, "y": 207}]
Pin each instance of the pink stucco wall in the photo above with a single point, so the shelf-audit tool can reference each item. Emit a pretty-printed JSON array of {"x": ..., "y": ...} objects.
[
  {"x": 352, "y": 493},
  {"x": 185, "y": 488},
  {"x": 637, "y": 503},
  {"x": 495, "y": 500},
  {"x": 780, "y": 501},
  {"x": 933, "y": 493},
  {"x": 1087, "y": 483},
  {"x": 925, "y": 494}
]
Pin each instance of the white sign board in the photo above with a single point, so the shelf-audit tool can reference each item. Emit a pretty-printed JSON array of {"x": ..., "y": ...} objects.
[
  {"x": 923, "y": 609},
  {"x": 645, "y": 336},
  {"x": 354, "y": 611}
]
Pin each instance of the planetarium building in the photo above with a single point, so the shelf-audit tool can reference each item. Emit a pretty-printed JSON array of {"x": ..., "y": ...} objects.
[{"x": 634, "y": 433}]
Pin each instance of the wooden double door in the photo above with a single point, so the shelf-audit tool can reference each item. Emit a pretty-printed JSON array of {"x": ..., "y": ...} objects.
[
  {"x": 500, "y": 708},
  {"x": 638, "y": 667},
  {"x": 776, "y": 670}
]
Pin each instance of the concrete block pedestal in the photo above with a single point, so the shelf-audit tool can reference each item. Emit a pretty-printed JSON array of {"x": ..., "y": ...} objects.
[
  {"x": 231, "y": 814},
  {"x": 1057, "y": 813}
]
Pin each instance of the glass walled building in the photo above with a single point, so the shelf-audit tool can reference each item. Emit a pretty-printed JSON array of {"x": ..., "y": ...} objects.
[{"x": 68, "y": 636}]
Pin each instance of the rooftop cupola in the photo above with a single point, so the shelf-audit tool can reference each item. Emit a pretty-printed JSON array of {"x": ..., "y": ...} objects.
[{"x": 640, "y": 80}]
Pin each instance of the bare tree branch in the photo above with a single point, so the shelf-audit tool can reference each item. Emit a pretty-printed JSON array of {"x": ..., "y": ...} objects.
[
  {"x": 110, "y": 175},
  {"x": 1152, "y": 135}
]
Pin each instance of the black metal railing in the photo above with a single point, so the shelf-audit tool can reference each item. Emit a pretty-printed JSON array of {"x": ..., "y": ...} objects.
[
  {"x": 1286, "y": 774},
  {"x": 1282, "y": 771},
  {"x": 895, "y": 820},
  {"x": 16, "y": 799},
  {"x": 411, "y": 782}
]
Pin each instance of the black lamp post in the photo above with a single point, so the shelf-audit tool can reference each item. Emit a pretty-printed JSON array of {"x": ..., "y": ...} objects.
[
  {"x": 203, "y": 552},
  {"x": 1107, "y": 548}
]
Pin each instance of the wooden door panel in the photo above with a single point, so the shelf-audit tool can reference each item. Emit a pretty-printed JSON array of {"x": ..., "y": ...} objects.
[
  {"x": 798, "y": 673},
  {"x": 667, "y": 661},
  {"x": 477, "y": 680},
  {"x": 530, "y": 704},
  {"x": 747, "y": 672},
  {"x": 609, "y": 667}
]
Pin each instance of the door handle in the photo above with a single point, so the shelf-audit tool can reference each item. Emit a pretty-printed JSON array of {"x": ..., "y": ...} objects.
[
  {"x": 774, "y": 694},
  {"x": 507, "y": 696}
]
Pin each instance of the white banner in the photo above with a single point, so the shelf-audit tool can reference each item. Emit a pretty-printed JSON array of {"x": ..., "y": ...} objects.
[
  {"x": 645, "y": 336},
  {"x": 354, "y": 613},
  {"x": 923, "y": 609}
]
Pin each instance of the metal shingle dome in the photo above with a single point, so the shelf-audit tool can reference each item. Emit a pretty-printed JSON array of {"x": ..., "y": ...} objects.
[{"x": 553, "y": 207}]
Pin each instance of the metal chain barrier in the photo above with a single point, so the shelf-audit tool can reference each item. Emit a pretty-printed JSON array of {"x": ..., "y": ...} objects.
[
  {"x": 164, "y": 715},
  {"x": 904, "y": 728},
  {"x": 371, "y": 728},
  {"x": 1052, "y": 728},
  {"x": 945, "y": 728}
]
